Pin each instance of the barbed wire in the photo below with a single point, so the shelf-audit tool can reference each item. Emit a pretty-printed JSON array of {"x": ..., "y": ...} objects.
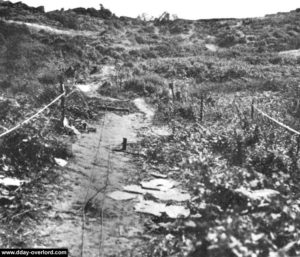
[
  {"x": 276, "y": 121},
  {"x": 8, "y": 131}
]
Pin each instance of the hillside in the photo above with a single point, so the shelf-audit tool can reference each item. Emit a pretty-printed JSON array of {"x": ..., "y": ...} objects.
[
  {"x": 240, "y": 167},
  {"x": 129, "y": 41}
]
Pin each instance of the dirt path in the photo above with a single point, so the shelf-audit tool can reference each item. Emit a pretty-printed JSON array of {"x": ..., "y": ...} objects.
[
  {"x": 119, "y": 230},
  {"x": 104, "y": 75},
  {"x": 53, "y": 30},
  {"x": 290, "y": 53}
]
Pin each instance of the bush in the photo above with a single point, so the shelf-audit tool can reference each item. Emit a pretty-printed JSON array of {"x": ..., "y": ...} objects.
[
  {"x": 66, "y": 20},
  {"x": 5, "y": 84},
  {"x": 27, "y": 152},
  {"x": 48, "y": 78},
  {"x": 178, "y": 29},
  {"x": 107, "y": 89},
  {"x": 273, "y": 85},
  {"x": 228, "y": 39},
  {"x": 186, "y": 112},
  {"x": 8, "y": 30},
  {"x": 145, "y": 85},
  {"x": 136, "y": 85},
  {"x": 46, "y": 95},
  {"x": 105, "y": 13},
  {"x": 140, "y": 40}
]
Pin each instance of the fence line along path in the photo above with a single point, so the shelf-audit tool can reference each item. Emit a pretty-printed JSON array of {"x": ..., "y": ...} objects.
[
  {"x": 276, "y": 121},
  {"x": 8, "y": 131}
]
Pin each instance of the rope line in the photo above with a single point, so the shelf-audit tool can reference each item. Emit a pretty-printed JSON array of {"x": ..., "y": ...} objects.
[
  {"x": 276, "y": 121},
  {"x": 8, "y": 131},
  {"x": 32, "y": 117}
]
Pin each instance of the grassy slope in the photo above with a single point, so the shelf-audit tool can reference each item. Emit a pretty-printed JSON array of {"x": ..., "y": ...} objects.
[{"x": 252, "y": 44}]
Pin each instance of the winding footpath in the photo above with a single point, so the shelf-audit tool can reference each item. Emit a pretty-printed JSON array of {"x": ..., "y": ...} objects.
[{"x": 108, "y": 227}]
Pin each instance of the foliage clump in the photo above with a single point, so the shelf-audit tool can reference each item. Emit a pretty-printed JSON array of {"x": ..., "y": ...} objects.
[{"x": 144, "y": 85}]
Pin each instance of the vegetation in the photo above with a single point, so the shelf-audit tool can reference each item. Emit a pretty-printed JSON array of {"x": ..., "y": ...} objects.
[{"x": 222, "y": 155}]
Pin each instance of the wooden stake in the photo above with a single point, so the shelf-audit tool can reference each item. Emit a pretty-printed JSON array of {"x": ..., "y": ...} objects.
[
  {"x": 252, "y": 109},
  {"x": 63, "y": 99},
  {"x": 201, "y": 107},
  {"x": 171, "y": 86},
  {"x": 124, "y": 144}
]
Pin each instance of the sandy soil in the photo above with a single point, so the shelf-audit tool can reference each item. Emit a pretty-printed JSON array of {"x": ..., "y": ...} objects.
[
  {"x": 53, "y": 30},
  {"x": 290, "y": 53},
  {"x": 108, "y": 227}
]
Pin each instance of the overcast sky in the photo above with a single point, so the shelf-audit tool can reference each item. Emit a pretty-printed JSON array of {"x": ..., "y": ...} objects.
[{"x": 189, "y": 9}]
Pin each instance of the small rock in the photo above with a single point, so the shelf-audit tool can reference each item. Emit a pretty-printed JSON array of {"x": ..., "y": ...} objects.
[
  {"x": 190, "y": 224},
  {"x": 158, "y": 175},
  {"x": 156, "y": 209},
  {"x": 60, "y": 162},
  {"x": 159, "y": 184},
  {"x": 11, "y": 182},
  {"x": 121, "y": 196}
]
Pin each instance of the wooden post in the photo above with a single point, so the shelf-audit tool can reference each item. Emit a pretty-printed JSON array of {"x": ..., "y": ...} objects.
[
  {"x": 298, "y": 145},
  {"x": 124, "y": 144},
  {"x": 252, "y": 109},
  {"x": 201, "y": 107},
  {"x": 171, "y": 86},
  {"x": 63, "y": 99}
]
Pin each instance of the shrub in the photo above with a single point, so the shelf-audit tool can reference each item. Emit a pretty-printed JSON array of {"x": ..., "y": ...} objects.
[
  {"x": 46, "y": 95},
  {"x": 276, "y": 60},
  {"x": 144, "y": 85},
  {"x": 15, "y": 55},
  {"x": 48, "y": 78},
  {"x": 228, "y": 39},
  {"x": 27, "y": 152},
  {"x": 294, "y": 43},
  {"x": 186, "y": 112},
  {"x": 108, "y": 89},
  {"x": 105, "y": 13},
  {"x": 8, "y": 30},
  {"x": 273, "y": 85},
  {"x": 5, "y": 84},
  {"x": 140, "y": 40},
  {"x": 65, "y": 19},
  {"x": 136, "y": 85},
  {"x": 149, "y": 29},
  {"x": 178, "y": 28}
]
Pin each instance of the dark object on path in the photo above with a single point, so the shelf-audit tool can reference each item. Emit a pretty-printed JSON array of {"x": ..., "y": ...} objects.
[{"x": 124, "y": 146}]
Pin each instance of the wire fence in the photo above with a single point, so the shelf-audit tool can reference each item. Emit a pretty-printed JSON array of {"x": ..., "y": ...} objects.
[
  {"x": 276, "y": 121},
  {"x": 8, "y": 131},
  {"x": 254, "y": 109}
]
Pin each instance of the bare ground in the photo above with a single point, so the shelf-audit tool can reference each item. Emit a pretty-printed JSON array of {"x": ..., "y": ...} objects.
[
  {"x": 53, "y": 30},
  {"x": 107, "y": 227}
]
